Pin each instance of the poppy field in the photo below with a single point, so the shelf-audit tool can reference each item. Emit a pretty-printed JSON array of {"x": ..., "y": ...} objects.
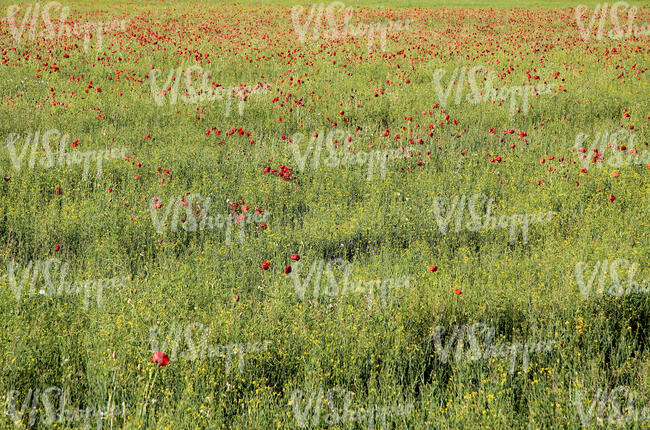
[{"x": 333, "y": 215}]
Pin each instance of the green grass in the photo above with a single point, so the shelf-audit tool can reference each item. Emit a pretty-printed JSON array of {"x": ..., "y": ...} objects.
[
  {"x": 482, "y": 4},
  {"x": 383, "y": 352}
]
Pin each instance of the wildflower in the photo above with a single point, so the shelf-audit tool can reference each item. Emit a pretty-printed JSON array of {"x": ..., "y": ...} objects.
[{"x": 160, "y": 358}]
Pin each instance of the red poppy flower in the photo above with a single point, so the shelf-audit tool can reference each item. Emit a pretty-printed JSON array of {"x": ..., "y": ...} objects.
[
  {"x": 160, "y": 358},
  {"x": 433, "y": 268},
  {"x": 266, "y": 265},
  {"x": 612, "y": 198},
  {"x": 295, "y": 257},
  {"x": 287, "y": 270},
  {"x": 458, "y": 291},
  {"x": 57, "y": 247}
]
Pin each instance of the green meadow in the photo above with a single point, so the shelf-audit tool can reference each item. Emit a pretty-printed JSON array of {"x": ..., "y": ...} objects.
[{"x": 417, "y": 215}]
